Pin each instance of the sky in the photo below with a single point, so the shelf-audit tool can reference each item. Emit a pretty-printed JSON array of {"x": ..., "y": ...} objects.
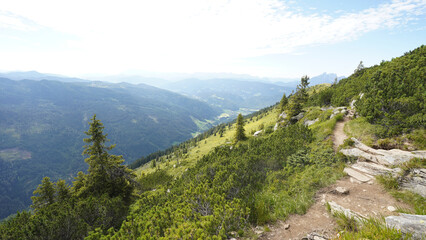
[{"x": 265, "y": 38}]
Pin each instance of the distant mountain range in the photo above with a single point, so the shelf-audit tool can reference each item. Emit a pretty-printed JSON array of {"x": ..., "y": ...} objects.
[
  {"x": 36, "y": 76},
  {"x": 42, "y": 128},
  {"x": 230, "y": 94}
]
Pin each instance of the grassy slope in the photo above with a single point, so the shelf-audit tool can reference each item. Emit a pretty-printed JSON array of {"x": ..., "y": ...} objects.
[{"x": 205, "y": 146}]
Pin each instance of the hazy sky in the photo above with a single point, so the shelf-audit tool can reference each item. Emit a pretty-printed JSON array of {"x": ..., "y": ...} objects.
[{"x": 267, "y": 38}]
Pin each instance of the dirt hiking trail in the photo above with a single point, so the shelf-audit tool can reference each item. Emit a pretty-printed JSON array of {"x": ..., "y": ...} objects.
[{"x": 366, "y": 199}]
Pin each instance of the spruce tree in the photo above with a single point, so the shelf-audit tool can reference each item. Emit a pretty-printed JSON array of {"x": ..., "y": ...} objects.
[
  {"x": 239, "y": 133},
  {"x": 44, "y": 195},
  {"x": 297, "y": 100},
  {"x": 283, "y": 103},
  {"x": 106, "y": 174},
  {"x": 302, "y": 89}
]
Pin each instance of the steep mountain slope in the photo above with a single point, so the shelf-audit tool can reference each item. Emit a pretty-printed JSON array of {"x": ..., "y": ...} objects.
[
  {"x": 42, "y": 125},
  {"x": 391, "y": 95}
]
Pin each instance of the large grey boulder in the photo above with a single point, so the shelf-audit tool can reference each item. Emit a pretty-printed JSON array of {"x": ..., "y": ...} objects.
[
  {"x": 276, "y": 127},
  {"x": 298, "y": 116},
  {"x": 339, "y": 110},
  {"x": 380, "y": 156},
  {"x": 283, "y": 115},
  {"x": 415, "y": 181},
  {"x": 310, "y": 122},
  {"x": 327, "y": 108},
  {"x": 357, "y": 175},
  {"x": 407, "y": 223},
  {"x": 336, "y": 208},
  {"x": 375, "y": 169}
]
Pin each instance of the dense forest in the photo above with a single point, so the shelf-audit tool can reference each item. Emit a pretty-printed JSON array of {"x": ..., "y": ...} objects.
[{"x": 244, "y": 182}]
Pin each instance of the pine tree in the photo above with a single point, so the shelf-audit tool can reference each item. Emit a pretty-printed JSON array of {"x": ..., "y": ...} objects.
[
  {"x": 106, "y": 174},
  {"x": 283, "y": 103},
  {"x": 46, "y": 194},
  {"x": 360, "y": 67},
  {"x": 62, "y": 191},
  {"x": 302, "y": 89},
  {"x": 297, "y": 100},
  {"x": 239, "y": 133}
]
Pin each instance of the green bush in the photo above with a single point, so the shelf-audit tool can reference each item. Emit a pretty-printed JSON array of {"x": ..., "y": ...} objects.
[{"x": 348, "y": 142}]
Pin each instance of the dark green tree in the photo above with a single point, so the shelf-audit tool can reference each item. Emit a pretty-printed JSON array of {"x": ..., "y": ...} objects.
[
  {"x": 44, "y": 195},
  {"x": 360, "y": 67},
  {"x": 302, "y": 89},
  {"x": 62, "y": 191},
  {"x": 239, "y": 132},
  {"x": 283, "y": 103},
  {"x": 297, "y": 100},
  {"x": 106, "y": 174}
]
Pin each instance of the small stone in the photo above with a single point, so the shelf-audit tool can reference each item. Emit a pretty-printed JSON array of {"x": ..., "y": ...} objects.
[
  {"x": 391, "y": 208},
  {"x": 342, "y": 190},
  {"x": 287, "y": 226},
  {"x": 257, "y": 133}
]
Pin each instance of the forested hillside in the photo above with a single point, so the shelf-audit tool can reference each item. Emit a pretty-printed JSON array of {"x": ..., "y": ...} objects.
[{"x": 43, "y": 122}]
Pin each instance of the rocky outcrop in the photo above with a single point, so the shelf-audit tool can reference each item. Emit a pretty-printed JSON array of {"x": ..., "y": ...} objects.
[
  {"x": 338, "y": 110},
  {"x": 380, "y": 156},
  {"x": 375, "y": 169},
  {"x": 276, "y": 127},
  {"x": 361, "y": 177},
  {"x": 407, "y": 223},
  {"x": 336, "y": 208},
  {"x": 298, "y": 116},
  {"x": 283, "y": 115},
  {"x": 415, "y": 181},
  {"x": 377, "y": 162},
  {"x": 310, "y": 122},
  {"x": 314, "y": 236}
]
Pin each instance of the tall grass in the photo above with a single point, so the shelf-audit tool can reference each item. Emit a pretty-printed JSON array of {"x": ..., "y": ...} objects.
[
  {"x": 368, "y": 229},
  {"x": 362, "y": 130},
  {"x": 283, "y": 196}
]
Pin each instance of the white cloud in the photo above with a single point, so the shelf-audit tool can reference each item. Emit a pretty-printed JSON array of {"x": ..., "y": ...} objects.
[
  {"x": 11, "y": 21},
  {"x": 190, "y": 34}
]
